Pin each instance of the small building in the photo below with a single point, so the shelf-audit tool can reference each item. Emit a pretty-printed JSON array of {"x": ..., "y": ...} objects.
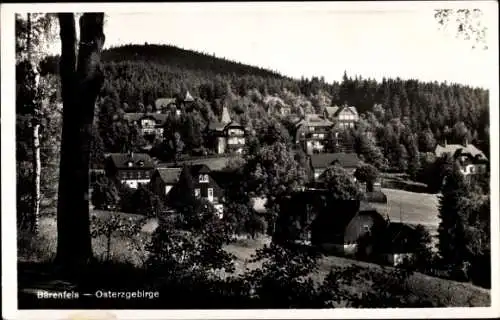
[
  {"x": 130, "y": 168},
  {"x": 204, "y": 185},
  {"x": 150, "y": 124},
  {"x": 226, "y": 136},
  {"x": 164, "y": 179},
  {"x": 338, "y": 226},
  {"x": 167, "y": 105},
  {"x": 471, "y": 159},
  {"x": 399, "y": 243},
  {"x": 185, "y": 102},
  {"x": 345, "y": 116},
  {"x": 312, "y": 132},
  {"x": 320, "y": 162},
  {"x": 276, "y": 106}
]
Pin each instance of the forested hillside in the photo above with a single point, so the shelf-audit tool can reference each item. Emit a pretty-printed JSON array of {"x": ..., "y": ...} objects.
[{"x": 405, "y": 116}]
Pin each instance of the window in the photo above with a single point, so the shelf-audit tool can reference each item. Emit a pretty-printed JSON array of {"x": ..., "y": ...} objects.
[
  {"x": 210, "y": 192},
  {"x": 197, "y": 192},
  {"x": 130, "y": 164},
  {"x": 203, "y": 178}
]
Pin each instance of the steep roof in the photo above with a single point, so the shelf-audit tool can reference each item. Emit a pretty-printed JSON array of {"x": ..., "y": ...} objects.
[
  {"x": 225, "y": 117},
  {"x": 401, "y": 237},
  {"x": 195, "y": 169},
  {"x": 314, "y": 120},
  {"x": 163, "y": 102},
  {"x": 331, "y": 110},
  {"x": 452, "y": 148},
  {"x": 324, "y": 160},
  {"x": 169, "y": 175},
  {"x": 136, "y": 116},
  {"x": 188, "y": 97},
  {"x": 335, "y": 110},
  {"x": 139, "y": 161}
]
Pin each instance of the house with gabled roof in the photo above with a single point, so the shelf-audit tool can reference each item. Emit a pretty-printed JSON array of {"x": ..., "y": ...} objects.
[
  {"x": 312, "y": 132},
  {"x": 204, "y": 186},
  {"x": 151, "y": 124},
  {"x": 166, "y": 105},
  {"x": 226, "y": 135},
  {"x": 322, "y": 161},
  {"x": 339, "y": 226},
  {"x": 164, "y": 179},
  {"x": 398, "y": 243},
  {"x": 345, "y": 116},
  {"x": 470, "y": 159},
  {"x": 130, "y": 168}
]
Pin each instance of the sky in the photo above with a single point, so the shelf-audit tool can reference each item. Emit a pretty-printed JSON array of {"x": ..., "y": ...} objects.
[{"x": 311, "y": 39}]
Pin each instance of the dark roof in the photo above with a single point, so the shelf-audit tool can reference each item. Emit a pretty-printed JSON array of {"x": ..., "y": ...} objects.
[
  {"x": 314, "y": 120},
  {"x": 219, "y": 126},
  {"x": 324, "y": 160},
  {"x": 169, "y": 175},
  {"x": 136, "y": 116},
  {"x": 402, "y": 237},
  {"x": 215, "y": 163},
  {"x": 198, "y": 168},
  {"x": 121, "y": 160}
]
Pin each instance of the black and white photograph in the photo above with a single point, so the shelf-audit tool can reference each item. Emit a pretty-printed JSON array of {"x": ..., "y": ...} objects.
[{"x": 285, "y": 159}]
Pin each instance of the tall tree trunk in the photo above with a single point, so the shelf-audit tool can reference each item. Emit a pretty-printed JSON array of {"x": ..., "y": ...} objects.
[
  {"x": 34, "y": 81},
  {"x": 81, "y": 84}
]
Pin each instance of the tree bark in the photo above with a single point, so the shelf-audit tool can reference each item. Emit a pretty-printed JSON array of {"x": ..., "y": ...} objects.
[
  {"x": 34, "y": 81},
  {"x": 81, "y": 83}
]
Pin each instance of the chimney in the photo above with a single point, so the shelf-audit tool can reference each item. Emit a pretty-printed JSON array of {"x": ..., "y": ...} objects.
[
  {"x": 445, "y": 142},
  {"x": 131, "y": 154},
  {"x": 466, "y": 142}
]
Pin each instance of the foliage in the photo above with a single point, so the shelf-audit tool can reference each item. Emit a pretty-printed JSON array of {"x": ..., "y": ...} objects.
[
  {"x": 104, "y": 193},
  {"x": 340, "y": 184},
  {"x": 274, "y": 173},
  {"x": 243, "y": 219},
  {"x": 452, "y": 226},
  {"x": 193, "y": 252},
  {"x": 112, "y": 225},
  {"x": 368, "y": 174},
  {"x": 467, "y": 23},
  {"x": 282, "y": 280},
  {"x": 144, "y": 201}
]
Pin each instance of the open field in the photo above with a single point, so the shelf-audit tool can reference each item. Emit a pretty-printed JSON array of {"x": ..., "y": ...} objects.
[{"x": 411, "y": 207}]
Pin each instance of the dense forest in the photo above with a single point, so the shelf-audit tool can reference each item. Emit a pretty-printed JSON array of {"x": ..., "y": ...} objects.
[{"x": 406, "y": 117}]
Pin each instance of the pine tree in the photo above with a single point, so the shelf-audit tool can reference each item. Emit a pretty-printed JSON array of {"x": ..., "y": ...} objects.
[{"x": 451, "y": 230}]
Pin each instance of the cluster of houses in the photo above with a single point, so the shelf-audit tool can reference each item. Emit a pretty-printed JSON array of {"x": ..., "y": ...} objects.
[
  {"x": 343, "y": 231},
  {"x": 224, "y": 135}
]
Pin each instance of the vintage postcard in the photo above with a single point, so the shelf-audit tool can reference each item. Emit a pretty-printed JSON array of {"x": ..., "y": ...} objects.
[{"x": 250, "y": 160}]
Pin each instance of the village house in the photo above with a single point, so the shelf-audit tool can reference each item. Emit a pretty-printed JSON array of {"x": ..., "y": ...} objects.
[
  {"x": 164, "y": 179},
  {"x": 276, "y": 106},
  {"x": 151, "y": 124},
  {"x": 320, "y": 162},
  {"x": 398, "y": 243},
  {"x": 312, "y": 133},
  {"x": 471, "y": 160},
  {"x": 344, "y": 116},
  {"x": 338, "y": 226},
  {"x": 167, "y": 105},
  {"x": 205, "y": 186},
  {"x": 226, "y": 136},
  {"x": 130, "y": 168}
]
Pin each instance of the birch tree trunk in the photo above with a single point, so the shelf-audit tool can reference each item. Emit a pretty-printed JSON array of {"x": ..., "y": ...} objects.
[
  {"x": 81, "y": 83},
  {"x": 34, "y": 83}
]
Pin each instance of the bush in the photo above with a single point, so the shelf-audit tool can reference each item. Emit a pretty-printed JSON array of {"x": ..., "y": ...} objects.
[{"x": 104, "y": 194}]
